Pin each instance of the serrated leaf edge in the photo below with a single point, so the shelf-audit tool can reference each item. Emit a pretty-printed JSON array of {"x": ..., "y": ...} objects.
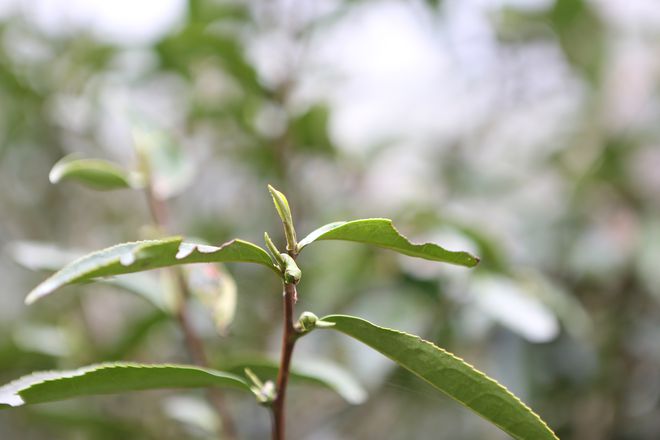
[
  {"x": 82, "y": 371},
  {"x": 475, "y": 370},
  {"x": 318, "y": 234},
  {"x": 129, "y": 258}
]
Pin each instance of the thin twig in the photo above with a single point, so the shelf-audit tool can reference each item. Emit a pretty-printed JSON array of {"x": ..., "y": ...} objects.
[
  {"x": 193, "y": 343},
  {"x": 195, "y": 348}
]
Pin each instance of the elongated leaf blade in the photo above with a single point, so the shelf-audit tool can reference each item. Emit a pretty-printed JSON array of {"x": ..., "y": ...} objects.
[
  {"x": 111, "y": 378},
  {"x": 382, "y": 233},
  {"x": 96, "y": 173},
  {"x": 449, "y": 374},
  {"x": 46, "y": 256},
  {"x": 145, "y": 255},
  {"x": 319, "y": 372}
]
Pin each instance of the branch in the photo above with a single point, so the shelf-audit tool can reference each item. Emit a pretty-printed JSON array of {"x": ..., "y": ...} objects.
[
  {"x": 289, "y": 337},
  {"x": 193, "y": 342}
]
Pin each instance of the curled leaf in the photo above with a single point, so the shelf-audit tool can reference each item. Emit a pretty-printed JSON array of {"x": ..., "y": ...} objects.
[
  {"x": 282, "y": 207},
  {"x": 382, "y": 233},
  {"x": 96, "y": 173},
  {"x": 292, "y": 272}
]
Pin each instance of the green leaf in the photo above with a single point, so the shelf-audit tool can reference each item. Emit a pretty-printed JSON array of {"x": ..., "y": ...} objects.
[
  {"x": 45, "y": 256},
  {"x": 314, "y": 372},
  {"x": 449, "y": 374},
  {"x": 311, "y": 130},
  {"x": 96, "y": 173},
  {"x": 381, "y": 232},
  {"x": 284, "y": 211},
  {"x": 110, "y": 378},
  {"x": 149, "y": 254}
]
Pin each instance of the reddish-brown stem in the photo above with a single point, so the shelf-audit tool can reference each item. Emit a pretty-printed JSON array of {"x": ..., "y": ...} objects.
[
  {"x": 289, "y": 337},
  {"x": 195, "y": 348}
]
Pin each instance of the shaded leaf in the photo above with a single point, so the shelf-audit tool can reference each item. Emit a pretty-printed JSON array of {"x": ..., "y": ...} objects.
[
  {"x": 314, "y": 372},
  {"x": 381, "y": 232},
  {"x": 149, "y": 254},
  {"x": 110, "y": 378},
  {"x": 310, "y": 129},
  {"x": 449, "y": 374},
  {"x": 96, "y": 173},
  {"x": 215, "y": 288},
  {"x": 169, "y": 170},
  {"x": 134, "y": 335}
]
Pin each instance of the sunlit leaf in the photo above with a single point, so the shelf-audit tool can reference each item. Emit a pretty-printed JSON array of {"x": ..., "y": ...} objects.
[
  {"x": 315, "y": 372},
  {"x": 510, "y": 303},
  {"x": 48, "y": 257},
  {"x": 36, "y": 255},
  {"x": 149, "y": 254},
  {"x": 96, "y": 173},
  {"x": 111, "y": 378},
  {"x": 381, "y": 232},
  {"x": 449, "y": 374}
]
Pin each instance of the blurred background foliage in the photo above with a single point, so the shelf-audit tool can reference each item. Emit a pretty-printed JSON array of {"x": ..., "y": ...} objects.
[{"x": 525, "y": 131}]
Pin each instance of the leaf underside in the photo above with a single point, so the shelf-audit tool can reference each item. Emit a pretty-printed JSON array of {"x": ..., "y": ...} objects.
[
  {"x": 145, "y": 255},
  {"x": 96, "y": 173},
  {"x": 111, "y": 378},
  {"x": 381, "y": 232},
  {"x": 449, "y": 374}
]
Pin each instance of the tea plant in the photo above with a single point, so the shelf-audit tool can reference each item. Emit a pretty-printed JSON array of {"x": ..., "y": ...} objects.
[{"x": 441, "y": 369}]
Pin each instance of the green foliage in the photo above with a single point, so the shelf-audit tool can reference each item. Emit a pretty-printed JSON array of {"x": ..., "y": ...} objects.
[
  {"x": 110, "y": 378},
  {"x": 380, "y": 232},
  {"x": 284, "y": 211},
  {"x": 438, "y": 367},
  {"x": 450, "y": 375},
  {"x": 149, "y": 254},
  {"x": 96, "y": 173},
  {"x": 311, "y": 130}
]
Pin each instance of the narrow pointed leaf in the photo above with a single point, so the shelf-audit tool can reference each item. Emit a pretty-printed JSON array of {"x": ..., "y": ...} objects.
[
  {"x": 96, "y": 173},
  {"x": 321, "y": 373},
  {"x": 381, "y": 232},
  {"x": 149, "y": 254},
  {"x": 111, "y": 378},
  {"x": 48, "y": 257},
  {"x": 284, "y": 211},
  {"x": 449, "y": 374}
]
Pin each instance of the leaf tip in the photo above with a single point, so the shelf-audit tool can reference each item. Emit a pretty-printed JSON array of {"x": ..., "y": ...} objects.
[{"x": 32, "y": 297}]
